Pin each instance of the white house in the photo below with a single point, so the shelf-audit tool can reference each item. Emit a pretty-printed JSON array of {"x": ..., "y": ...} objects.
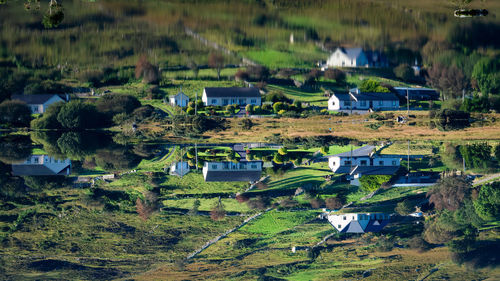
[
  {"x": 359, "y": 222},
  {"x": 229, "y": 171},
  {"x": 179, "y": 169},
  {"x": 356, "y": 57},
  {"x": 363, "y": 161},
  {"x": 40, "y": 103},
  {"x": 233, "y": 95},
  {"x": 42, "y": 165},
  {"x": 179, "y": 99},
  {"x": 355, "y": 100}
]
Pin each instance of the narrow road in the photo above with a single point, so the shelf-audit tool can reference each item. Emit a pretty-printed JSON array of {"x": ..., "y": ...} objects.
[{"x": 486, "y": 179}]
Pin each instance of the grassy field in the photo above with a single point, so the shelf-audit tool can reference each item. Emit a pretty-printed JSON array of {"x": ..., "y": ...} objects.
[{"x": 230, "y": 205}]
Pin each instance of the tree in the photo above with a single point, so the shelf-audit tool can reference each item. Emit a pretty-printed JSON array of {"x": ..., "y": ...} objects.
[
  {"x": 278, "y": 106},
  {"x": 487, "y": 204},
  {"x": 497, "y": 152},
  {"x": 150, "y": 74},
  {"x": 404, "y": 207},
  {"x": 373, "y": 182},
  {"x": 449, "y": 193},
  {"x": 54, "y": 15},
  {"x": 440, "y": 229},
  {"x": 216, "y": 61},
  {"x": 286, "y": 73},
  {"x": 283, "y": 150},
  {"x": 404, "y": 72},
  {"x": 145, "y": 208},
  {"x": 194, "y": 67},
  {"x": 486, "y": 73},
  {"x": 15, "y": 148},
  {"x": 336, "y": 74},
  {"x": 194, "y": 209},
  {"x": 112, "y": 104},
  {"x": 450, "y": 80},
  {"x": 334, "y": 203},
  {"x": 79, "y": 115},
  {"x": 259, "y": 203},
  {"x": 258, "y": 72},
  {"x": 317, "y": 203},
  {"x": 249, "y": 108},
  {"x": 372, "y": 86},
  {"x": 477, "y": 155},
  {"x": 241, "y": 75},
  {"x": 218, "y": 212},
  {"x": 15, "y": 113}
]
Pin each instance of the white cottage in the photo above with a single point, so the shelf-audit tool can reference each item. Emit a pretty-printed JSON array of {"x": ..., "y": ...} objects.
[
  {"x": 232, "y": 95},
  {"x": 39, "y": 103},
  {"x": 179, "y": 99},
  {"x": 42, "y": 165},
  {"x": 229, "y": 171},
  {"x": 355, "y": 100},
  {"x": 359, "y": 222},
  {"x": 363, "y": 161},
  {"x": 356, "y": 57}
]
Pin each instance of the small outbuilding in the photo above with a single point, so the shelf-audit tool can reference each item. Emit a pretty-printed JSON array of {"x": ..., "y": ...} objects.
[{"x": 179, "y": 99}]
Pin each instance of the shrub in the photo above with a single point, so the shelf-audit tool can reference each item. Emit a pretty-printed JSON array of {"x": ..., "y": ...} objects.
[
  {"x": 334, "y": 203},
  {"x": 373, "y": 182},
  {"x": 404, "y": 72},
  {"x": 283, "y": 151},
  {"x": 418, "y": 243},
  {"x": 404, "y": 207},
  {"x": 190, "y": 111},
  {"x": 372, "y": 86},
  {"x": 79, "y": 115},
  {"x": 336, "y": 74},
  {"x": 15, "y": 113}
]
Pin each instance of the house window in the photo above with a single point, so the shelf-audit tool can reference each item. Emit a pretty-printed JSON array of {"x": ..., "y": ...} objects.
[
  {"x": 347, "y": 103},
  {"x": 348, "y": 162},
  {"x": 214, "y": 101},
  {"x": 214, "y": 166},
  {"x": 226, "y": 166},
  {"x": 225, "y": 102},
  {"x": 362, "y": 103},
  {"x": 253, "y": 101},
  {"x": 243, "y": 166},
  {"x": 393, "y": 162},
  {"x": 393, "y": 103},
  {"x": 253, "y": 166},
  {"x": 363, "y": 163},
  {"x": 340, "y": 226},
  {"x": 242, "y": 101},
  {"x": 35, "y": 160},
  {"x": 380, "y": 103},
  {"x": 351, "y": 62},
  {"x": 381, "y": 163},
  {"x": 333, "y": 102},
  {"x": 345, "y": 218}
]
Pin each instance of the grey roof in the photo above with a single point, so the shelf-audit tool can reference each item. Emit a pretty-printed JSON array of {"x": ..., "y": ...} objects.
[
  {"x": 34, "y": 99},
  {"x": 228, "y": 176},
  {"x": 352, "y": 53},
  {"x": 374, "y": 225},
  {"x": 178, "y": 94},
  {"x": 375, "y": 96},
  {"x": 343, "y": 96},
  {"x": 375, "y": 170},
  {"x": 36, "y": 170},
  {"x": 252, "y": 92},
  {"x": 360, "y": 152}
]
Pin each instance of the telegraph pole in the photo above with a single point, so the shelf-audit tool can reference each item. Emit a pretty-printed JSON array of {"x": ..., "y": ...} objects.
[
  {"x": 196, "y": 104},
  {"x": 408, "y": 103}
]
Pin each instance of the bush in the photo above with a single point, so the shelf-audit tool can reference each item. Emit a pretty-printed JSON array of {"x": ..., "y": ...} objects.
[
  {"x": 404, "y": 72},
  {"x": 283, "y": 151},
  {"x": 15, "y": 113},
  {"x": 336, "y": 74},
  {"x": 79, "y": 115},
  {"x": 190, "y": 111},
  {"x": 404, "y": 207},
  {"x": 112, "y": 104},
  {"x": 334, "y": 203},
  {"x": 418, "y": 243},
  {"x": 373, "y": 182},
  {"x": 372, "y": 86}
]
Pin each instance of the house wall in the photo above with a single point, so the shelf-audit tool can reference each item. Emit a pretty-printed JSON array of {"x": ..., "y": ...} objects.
[
  {"x": 386, "y": 161},
  {"x": 53, "y": 164},
  {"x": 231, "y": 100},
  {"x": 365, "y": 105},
  {"x": 230, "y": 166},
  {"x": 179, "y": 101},
  {"x": 340, "y": 59},
  {"x": 386, "y": 105},
  {"x": 333, "y": 103},
  {"x": 336, "y": 162}
]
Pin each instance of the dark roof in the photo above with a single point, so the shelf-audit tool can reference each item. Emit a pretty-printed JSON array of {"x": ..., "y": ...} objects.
[
  {"x": 36, "y": 170},
  {"x": 343, "y": 96},
  {"x": 417, "y": 93},
  {"x": 375, "y": 96},
  {"x": 363, "y": 151},
  {"x": 352, "y": 53},
  {"x": 34, "y": 99},
  {"x": 251, "y": 92},
  {"x": 227, "y": 176},
  {"x": 178, "y": 94},
  {"x": 375, "y": 170},
  {"x": 376, "y": 225}
]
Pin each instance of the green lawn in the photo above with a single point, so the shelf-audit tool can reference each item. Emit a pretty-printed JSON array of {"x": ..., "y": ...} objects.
[
  {"x": 303, "y": 176},
  {"x": 193, "y": 183},
  {"x": 230, "y": 205},
  {"x": 274, "y": 222}
]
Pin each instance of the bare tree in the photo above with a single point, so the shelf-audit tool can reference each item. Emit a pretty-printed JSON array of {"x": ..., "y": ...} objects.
[
  {"x": 218, "y": 212},
  {"x": 216, "y": 61},
  {"x": 149, "y": 73}
]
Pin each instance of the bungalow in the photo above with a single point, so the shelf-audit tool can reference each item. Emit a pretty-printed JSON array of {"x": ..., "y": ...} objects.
[
  {"x": 42, "y": 165},
  {"x": 359, "y": 222},
  {"x": 419, "y": 94},
  {"x": 226, "y": 171},
  {"x": 179, "y": 99},
  {"x": 356, "y": 57},
  {"x": 355, "y": 100},
  {"x": 233, "y": 95},
  {"x": 40, "y": 103},
  {"x": 363, "y": 161}
]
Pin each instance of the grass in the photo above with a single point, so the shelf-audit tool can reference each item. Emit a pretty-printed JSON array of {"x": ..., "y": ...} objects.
[
  {"x": 303, "y": 176},
  {"x": 416, "y": 148},
  {"x": 193, "y": 183},
  {"x": 274, "y": 222},
  {"x": 230, "y": 205}
]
